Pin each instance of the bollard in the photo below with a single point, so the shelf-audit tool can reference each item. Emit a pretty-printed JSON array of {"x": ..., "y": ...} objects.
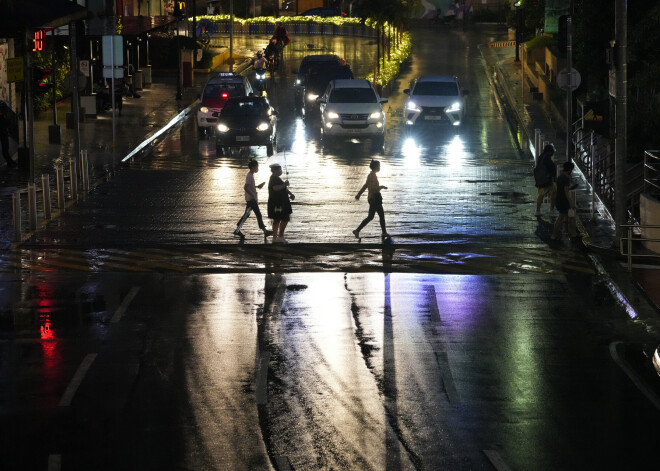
[
  {"x": 32, "y": 205},
  {"x": 537, "y": 143},
  {"x": 59, "y": 172},
  {"x": 45, "y": 187},
  {"x": 84, "y": 170},
  {"x": 16, "y": 200},
  {"x": 73, "y": 176}
]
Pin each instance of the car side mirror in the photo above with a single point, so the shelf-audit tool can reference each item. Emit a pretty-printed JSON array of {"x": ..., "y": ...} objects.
[
  {"x": 383, "y": 100},
  {"x": 321, "y": 100},
  {"x": 276, "y": 113},
  {"x": 406, "y": 91}
]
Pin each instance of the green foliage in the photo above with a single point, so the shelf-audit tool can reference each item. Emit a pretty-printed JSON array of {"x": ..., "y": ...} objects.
[{"x": 59, "y": 63}]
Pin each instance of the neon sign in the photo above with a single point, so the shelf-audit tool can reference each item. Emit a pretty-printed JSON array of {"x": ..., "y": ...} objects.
[{"x": 39, "y": 40}]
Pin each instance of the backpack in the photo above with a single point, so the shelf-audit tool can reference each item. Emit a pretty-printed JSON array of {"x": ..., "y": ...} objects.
[{"x": 542, "y": 177}]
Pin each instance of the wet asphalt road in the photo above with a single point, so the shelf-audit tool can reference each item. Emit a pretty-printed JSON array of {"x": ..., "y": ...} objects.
[{"x": 140, "y": 335}]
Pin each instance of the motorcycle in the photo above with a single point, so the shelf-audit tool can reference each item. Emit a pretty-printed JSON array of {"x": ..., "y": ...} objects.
[{"x": 260, "y": 80}]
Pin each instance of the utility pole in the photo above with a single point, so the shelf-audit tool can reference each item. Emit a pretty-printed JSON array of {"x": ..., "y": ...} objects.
[{"x": 621, "y": 119}]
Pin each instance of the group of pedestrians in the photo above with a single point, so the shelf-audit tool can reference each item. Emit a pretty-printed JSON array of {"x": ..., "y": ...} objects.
[
  {"x": 280, "y": 197},
  {"x": 557, "y": 190}
]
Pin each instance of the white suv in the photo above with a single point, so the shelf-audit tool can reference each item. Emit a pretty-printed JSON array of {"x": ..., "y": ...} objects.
[
  {"x": 435, "y": 99},
  {"x": 352, "y": 108}
]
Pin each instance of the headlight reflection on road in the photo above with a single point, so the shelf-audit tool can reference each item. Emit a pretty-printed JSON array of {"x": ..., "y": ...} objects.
[
  {"x": 411, "y": 151},
  {"x": 455, "y": 152}
]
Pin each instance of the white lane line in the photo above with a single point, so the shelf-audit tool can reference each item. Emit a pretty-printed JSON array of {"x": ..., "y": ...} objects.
[
  {"x": 496, "y": 460},
  {"x": 634, "y": 377},
  {"x": 54, "y": 462},
  {"x": 262, "y": 379},
  {"x": 124, "y": 304},
  {"x": 447, "y": 377},
  {"x": 77, "y": 379}
]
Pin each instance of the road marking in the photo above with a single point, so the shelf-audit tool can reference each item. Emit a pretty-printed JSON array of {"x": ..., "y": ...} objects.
[
  {"x": 634, "y": 377},
  {"x": 262, "y": 379},
  {"x": 496, "y": 460},
  {"x": 447, "y": 377},
  {"x": 77, "y": 380},
  {"x": 54, "y": 462},
  {"x": 124, "y": 304}
]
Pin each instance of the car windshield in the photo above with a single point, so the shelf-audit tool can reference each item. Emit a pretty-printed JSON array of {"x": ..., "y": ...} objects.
[
  {"x": 244, "y": 108},
  {"x": 216, "y": 90},
  {"x": 318, "y": 78},
  {"x": 353, "y": 95},
  {"x": 436, "y": 88}
]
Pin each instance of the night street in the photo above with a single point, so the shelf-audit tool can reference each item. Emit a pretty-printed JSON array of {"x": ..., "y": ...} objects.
[{"x": 138, "y": 333}]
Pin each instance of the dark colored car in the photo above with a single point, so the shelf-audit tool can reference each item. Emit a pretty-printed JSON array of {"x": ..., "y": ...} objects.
[
  {"x": 247, "y": 121},
  {"x": 308, "y": 62},
  {"x": 317, "y": 81},
  {"x": 323, "y": 11}
]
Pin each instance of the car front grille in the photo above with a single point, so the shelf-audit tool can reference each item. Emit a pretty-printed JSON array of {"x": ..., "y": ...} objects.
[{"x": 354, "y": 117}]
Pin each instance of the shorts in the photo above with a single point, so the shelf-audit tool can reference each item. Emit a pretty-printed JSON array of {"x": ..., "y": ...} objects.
[{"x": 550, "y": 189}]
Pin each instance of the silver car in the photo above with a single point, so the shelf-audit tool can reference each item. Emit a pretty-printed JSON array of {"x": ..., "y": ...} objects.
[{"x": 435, "y": 100}]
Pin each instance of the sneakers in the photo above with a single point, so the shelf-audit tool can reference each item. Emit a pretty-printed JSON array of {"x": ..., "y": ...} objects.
[
  {"x": 279, "y": 240},
  {"x": 356, "y": 233},
  {"x": 238, "y": 233}
]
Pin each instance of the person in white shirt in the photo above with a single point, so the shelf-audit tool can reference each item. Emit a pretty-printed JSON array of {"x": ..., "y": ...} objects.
[{"x": 251, "y": 201}]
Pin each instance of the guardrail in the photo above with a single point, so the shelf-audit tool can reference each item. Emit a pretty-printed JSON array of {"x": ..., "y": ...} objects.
[{"x": 626, "y": 243}]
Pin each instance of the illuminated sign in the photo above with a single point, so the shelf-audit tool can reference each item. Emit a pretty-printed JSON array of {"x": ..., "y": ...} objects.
[{"x": 38, "y": 40}]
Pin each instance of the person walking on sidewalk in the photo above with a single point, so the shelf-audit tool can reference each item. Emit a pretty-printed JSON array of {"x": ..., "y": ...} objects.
[
  {"x": 375, "y": 199},
  {"x": 564, "y": 204},
  {"x": 279, "y": 203},
  {"x": 251, "y": 201},
  {"x": 545, "y": 175},
  {"x": 4, "y": 139}
]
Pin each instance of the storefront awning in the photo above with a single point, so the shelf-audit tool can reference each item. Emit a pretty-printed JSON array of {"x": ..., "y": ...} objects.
[{"x": 17, "y": 15}]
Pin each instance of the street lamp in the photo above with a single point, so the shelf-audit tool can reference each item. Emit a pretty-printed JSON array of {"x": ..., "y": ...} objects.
[{"x": 517, "y": 5}]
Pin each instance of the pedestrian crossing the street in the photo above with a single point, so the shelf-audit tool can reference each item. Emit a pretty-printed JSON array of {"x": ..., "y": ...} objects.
[{"x": 228, "y": 258}]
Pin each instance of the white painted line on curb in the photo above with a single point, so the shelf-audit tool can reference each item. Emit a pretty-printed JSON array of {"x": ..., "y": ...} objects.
[
  {"x": 496, "y": 460},
  {"x": 124, "y": 304},
  {"x": 77, "y": 380},
  {"x": 262, "y": 379},
  {"x": 634, "y": 377},
  {"x": 54, "y": 462},
  {"x": 172, "y": 122}
]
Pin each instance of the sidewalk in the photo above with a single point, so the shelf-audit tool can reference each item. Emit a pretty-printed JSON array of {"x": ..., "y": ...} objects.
[{"x": 642, "y": 286}]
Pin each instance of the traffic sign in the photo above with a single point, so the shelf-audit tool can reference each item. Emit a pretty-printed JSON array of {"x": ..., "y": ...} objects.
[{"x": 563, "y": 79}]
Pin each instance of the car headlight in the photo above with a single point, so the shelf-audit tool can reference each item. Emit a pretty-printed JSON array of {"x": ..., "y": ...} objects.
[
  {"x": 204, "y": 109},
  {"x": 223, "y": 127},
  {"x": 263, "y": 127},
  {"x": 331, "y": 115},
  {"x": 312, "y": 96},
  {"x": 375, "y": 115},
  {"x": 455, "y": 107},
  {"x": 298, "y": 82},
  {"x": 412, "y": 106}
]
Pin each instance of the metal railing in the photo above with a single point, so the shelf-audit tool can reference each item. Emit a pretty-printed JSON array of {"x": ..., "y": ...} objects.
[{"x": 626, "y": 243}]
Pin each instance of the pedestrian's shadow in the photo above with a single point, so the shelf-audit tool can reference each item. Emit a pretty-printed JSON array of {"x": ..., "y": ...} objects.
[{"x": 544, "y": 230}]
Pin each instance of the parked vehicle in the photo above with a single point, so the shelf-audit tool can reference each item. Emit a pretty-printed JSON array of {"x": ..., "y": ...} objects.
[
  {"x": 435, "y": 100},
  {"x": 217, "y": 91},
  {"x": 247, "y": 121},
  {"x": 352, "y": 108}
]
